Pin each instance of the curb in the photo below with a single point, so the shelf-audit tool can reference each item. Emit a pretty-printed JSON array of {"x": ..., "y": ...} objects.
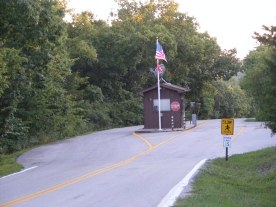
[{"x": 163, "y": 130}]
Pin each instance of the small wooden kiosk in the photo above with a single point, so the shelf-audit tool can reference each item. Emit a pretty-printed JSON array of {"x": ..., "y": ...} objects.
[{"x": 172, "y": 110}]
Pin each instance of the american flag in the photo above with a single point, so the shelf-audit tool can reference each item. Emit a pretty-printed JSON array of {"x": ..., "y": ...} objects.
[{"x": 159, "y": 55}]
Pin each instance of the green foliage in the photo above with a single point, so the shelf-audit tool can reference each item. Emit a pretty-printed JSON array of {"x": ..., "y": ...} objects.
[
  {"x": 227, "y": 65},
  {"x": 58, "y": 78},
  {"x": 13, "y": 135},
  {"x": 260, "y": 78},
  {"x": 245, "y": 180},
  {"x": 13, "y": 132},
  {"x": 225, "y": 99},
  {"x": 35, "y": 105},
  {"x": 128, "y": 112}
]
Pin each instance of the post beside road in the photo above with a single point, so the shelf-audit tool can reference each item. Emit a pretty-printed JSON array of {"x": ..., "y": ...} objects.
[
  {"x": 226, "y": 144},
  {"x": 227, "y": 128}
]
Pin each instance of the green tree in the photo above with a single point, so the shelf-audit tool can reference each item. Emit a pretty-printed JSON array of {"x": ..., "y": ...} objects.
[
  {"x": 125, "y": 51},
  {"x": 36, "y": 102},
  {"x": 225, "y": 99},
  {"x": 260, "y": 77},
  {"x": 13, "y": 132},
  {"x": 226, "y": 65}
]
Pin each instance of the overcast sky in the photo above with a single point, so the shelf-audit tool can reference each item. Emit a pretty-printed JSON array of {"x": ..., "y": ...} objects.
[{"x": 232, "y": 22}]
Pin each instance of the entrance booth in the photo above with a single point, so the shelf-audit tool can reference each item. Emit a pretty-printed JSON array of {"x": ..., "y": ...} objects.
[{"x": 171, "y": 106}]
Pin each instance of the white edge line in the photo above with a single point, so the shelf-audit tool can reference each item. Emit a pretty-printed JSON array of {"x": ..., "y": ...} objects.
[
  {"x": 19, "y": 172},
  {"x": 174, "y": 193}
]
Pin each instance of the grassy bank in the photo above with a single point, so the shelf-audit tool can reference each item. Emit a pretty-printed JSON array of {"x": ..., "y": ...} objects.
[
  {"x": 244, "y": 180},
  {"x": 8, "y": 163}
]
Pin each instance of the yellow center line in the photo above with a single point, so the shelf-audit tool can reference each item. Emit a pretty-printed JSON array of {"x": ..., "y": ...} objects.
[
  {"x": 70, "y": 182},
  {"x": 241, "y": 130},
  {"x": 150, "y": 146}
]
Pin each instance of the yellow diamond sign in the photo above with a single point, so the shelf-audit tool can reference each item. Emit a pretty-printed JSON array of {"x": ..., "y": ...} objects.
[{"x": 227, "y": 126}]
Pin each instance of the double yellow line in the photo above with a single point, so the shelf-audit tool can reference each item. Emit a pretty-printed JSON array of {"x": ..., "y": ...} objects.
[{"x": 60, "y": 186}]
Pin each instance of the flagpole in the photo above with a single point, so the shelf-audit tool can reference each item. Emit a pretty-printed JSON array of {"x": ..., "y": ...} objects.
[{"x": 158, "y": 88}]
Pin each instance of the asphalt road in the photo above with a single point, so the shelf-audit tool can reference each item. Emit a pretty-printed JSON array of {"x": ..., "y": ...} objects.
[{"x": 119, "y": 168}]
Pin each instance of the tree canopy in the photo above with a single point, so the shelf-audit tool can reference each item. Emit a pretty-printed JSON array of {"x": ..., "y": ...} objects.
[
  {"x": 59, "y": 78},
  {"x": 260, "y": 78}
]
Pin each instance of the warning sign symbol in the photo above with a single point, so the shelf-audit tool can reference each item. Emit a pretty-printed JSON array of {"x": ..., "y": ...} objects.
[{"x": 227, "y": 126}]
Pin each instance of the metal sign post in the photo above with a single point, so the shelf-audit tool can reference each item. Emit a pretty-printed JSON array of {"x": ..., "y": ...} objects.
[
  {"x": 226, "y": 144},
  {"x": 159, "y": 101},
  {"x": 159, "y": 55},
  {"x": 172, "y": 122}
]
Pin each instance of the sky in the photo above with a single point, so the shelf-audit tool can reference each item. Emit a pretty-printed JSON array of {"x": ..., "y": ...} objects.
[{"x": 231, "y": 22}]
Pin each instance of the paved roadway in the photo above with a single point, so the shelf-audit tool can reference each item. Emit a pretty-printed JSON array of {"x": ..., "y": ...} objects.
[{"x": 118, "y": 168}]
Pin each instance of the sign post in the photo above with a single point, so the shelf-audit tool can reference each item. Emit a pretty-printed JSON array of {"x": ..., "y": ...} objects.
[
  {"x": 175, "y": 106},
  {"x": 226, "y": 144},
  {"x": 227, "y": 128}
]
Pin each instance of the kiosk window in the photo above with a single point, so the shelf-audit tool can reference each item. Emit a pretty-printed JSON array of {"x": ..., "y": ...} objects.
[{"x": 165, "y": 104}]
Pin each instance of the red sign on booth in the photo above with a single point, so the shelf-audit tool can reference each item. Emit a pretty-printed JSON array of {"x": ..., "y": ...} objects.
[{"x": 175, "y": 106}]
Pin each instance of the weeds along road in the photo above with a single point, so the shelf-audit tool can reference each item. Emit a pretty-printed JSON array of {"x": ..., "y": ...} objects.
[{"x": 120, "y": 168}]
